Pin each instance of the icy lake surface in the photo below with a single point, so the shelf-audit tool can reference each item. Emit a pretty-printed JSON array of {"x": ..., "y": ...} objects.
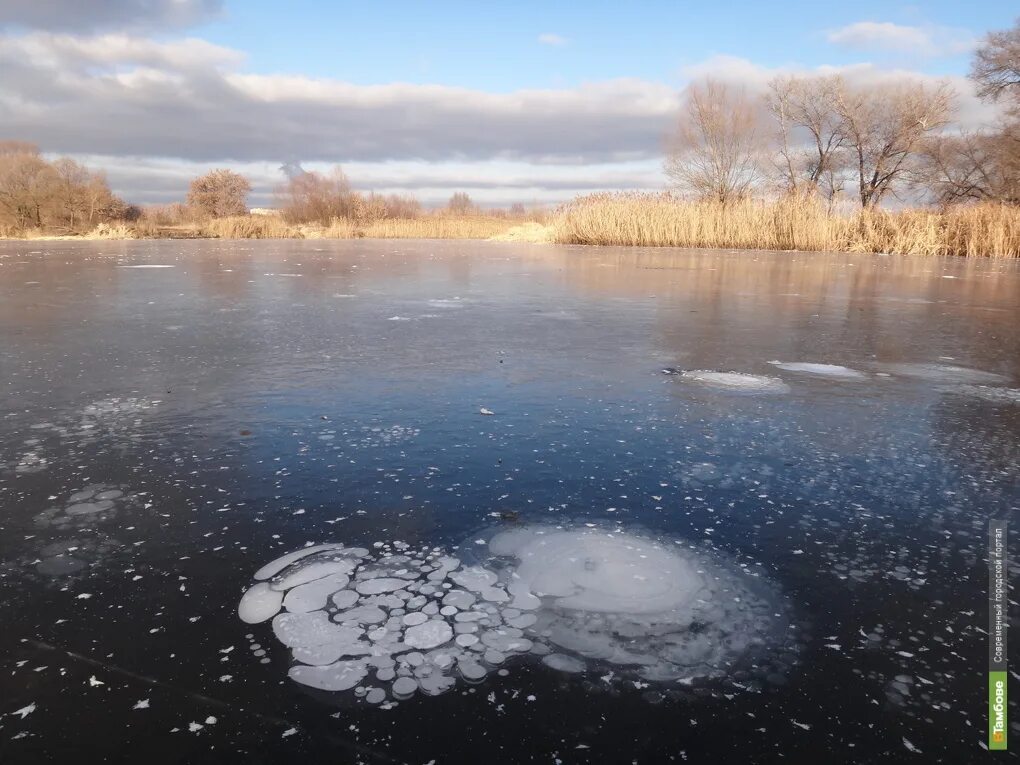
[{"x": 476, "y": 502}]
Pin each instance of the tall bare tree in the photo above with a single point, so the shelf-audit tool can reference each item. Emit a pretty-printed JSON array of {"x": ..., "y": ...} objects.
[
  {"x": 811, "y": 133},
  {"x": 996, "y": 65},
  {"x": 219, "y": 193},
  {"x": 885, "y": 128},
  {"x": 717, "y": 150},
  {"x": 972, "y": 166}
]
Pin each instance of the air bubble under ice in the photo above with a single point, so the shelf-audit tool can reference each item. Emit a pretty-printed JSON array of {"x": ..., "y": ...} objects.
[{"x": 401, "y": 621}]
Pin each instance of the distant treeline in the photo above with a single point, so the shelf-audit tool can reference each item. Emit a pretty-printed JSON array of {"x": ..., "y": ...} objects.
[{"x": 62, "y": 196}]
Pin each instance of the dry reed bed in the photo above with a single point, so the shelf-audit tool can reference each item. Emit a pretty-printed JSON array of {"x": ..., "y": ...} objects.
[
  {"x": 660, "y": 220},
  {"x": 425, "y": 227}
]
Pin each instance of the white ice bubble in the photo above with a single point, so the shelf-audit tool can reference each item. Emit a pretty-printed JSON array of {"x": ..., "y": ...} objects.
[
  {"x": 259, "y": 603},
  {"x": 314, "y": 595},
  {"x": 275, "y": 567},
  {"x": 735, "y": 381},
  {"x": 341, "y": 676},
  {"x": 824, "y": 370},
  {"x": 377, "y": 586},
  {"x": 580, "y": 599},
  {"x": 944, "y": 373},
  {"x": 429, "y": 635}
]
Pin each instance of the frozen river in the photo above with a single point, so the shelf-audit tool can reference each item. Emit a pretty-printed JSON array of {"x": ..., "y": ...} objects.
[{"x": 578, "y": 505}]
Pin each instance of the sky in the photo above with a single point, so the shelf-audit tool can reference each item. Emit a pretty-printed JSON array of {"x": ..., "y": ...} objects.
[{"x": 531, "y": 102}]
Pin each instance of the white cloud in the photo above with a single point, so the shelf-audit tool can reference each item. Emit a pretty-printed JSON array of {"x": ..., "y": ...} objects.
[
  {"x": 116, "y": 94},
  {"x": 549, "y": 38},
  {"x": 898, "y": 38}
]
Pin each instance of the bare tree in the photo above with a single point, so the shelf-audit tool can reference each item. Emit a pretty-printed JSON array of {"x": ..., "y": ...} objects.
[
  {"x": 811, "y": 133},
  {"x": 996, "y": 65},
  {"x": 219, "y": 193},
  {"x": 716, "y": 151},
  {"x": 460, "y": 203},
  {"x": 972, "y": 166},
  {"x": 885, "y": 127},
  {"x": 18, "y": 147},
  {"x": 310, "y": 197}
]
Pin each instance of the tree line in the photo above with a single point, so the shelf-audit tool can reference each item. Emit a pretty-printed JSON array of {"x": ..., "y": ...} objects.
[
  {"x": 62, "y": 195},
  {"x": 823, "y": 136}
]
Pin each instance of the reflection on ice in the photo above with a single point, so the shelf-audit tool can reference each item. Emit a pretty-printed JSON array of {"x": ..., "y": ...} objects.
[{"x": 582, "y": 599}]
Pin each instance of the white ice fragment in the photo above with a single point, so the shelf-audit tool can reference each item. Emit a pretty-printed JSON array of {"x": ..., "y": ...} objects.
[
  {"x": 143, "y": 704},
  {"x": 259, "y": 602},
  {"x": 25, "y": 711}
]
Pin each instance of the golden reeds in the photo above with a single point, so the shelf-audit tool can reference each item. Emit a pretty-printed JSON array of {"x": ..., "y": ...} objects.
[{"x": 662, "y": 220}]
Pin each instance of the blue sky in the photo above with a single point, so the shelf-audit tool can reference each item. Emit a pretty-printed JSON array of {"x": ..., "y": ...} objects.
[
  {"x": 532, "y": 102},
  {"x": 496, "y": 47}
]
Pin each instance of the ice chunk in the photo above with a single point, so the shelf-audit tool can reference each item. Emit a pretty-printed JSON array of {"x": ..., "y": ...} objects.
[{"x": 259, "y": 603}]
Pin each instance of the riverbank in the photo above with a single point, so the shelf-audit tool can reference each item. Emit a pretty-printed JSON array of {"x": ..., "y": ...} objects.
[{"x": 654, "y": 220}]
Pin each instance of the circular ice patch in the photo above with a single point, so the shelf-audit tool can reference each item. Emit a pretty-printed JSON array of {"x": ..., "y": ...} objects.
[
  {"x": 633, "y": 609},
  {"x": 735, "y": 381},
  {"x": 944, "y": 373},
  {"x": 823, "y": 370}
]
